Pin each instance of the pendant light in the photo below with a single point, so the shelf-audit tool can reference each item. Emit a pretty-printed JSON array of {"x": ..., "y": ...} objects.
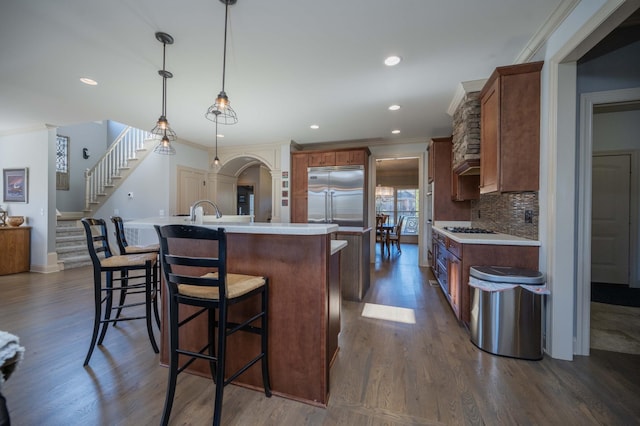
[
  {"x": 221, "y": 111},
  {"x": 162, "y": 130}
]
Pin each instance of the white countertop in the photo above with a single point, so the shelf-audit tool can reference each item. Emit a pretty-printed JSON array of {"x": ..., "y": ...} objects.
[
  {"x": 337, "y": 245},
  {"x": 493, "y": 239},
  {"x": 239, "y": 227}
]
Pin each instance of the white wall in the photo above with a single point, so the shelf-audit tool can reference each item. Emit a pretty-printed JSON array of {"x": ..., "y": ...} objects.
[
  {"x": 616, "y": 131},
  {"x": 34, "y": 149},
  {"x": 93, "y": 136},
  {"x": 153, "y": 184}
]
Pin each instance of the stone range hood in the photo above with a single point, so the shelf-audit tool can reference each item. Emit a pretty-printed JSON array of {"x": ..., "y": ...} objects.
[
  {"x": 465, "y": 156},
  {"x": 466, "y": 136}
]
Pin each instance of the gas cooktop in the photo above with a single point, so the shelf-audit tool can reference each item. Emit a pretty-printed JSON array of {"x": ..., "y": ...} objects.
[{"x": 467, "y": 230}]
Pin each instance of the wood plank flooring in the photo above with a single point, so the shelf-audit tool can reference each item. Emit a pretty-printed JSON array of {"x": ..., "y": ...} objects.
[{"x": 386, "y": 373}]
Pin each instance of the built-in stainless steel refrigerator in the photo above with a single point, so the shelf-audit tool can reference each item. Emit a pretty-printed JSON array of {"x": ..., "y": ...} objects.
[{"x": 336, "y": 195}]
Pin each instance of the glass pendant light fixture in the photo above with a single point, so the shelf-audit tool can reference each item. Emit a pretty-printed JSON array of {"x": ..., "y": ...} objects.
[
  {"x": 221, "y": 111},
  {"x": 162, "y": 130}
]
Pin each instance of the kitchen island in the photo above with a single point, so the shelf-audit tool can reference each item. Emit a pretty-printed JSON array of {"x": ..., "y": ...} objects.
[{"x": 302, "y": 263}]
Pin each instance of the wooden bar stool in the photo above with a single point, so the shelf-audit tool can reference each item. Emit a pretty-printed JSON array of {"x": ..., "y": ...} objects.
[
  {"x": 125, "y": 248},
  {"x": 204, "y": 282},
  {"x": 105, "y": 262}
]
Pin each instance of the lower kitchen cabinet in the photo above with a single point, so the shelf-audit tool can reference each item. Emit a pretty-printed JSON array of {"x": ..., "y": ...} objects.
[
  {"x": 453, "y": 260},
  {"x": 355, "y": 264}
]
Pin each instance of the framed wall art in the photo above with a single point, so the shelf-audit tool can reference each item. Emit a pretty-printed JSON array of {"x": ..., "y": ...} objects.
[{"x": 15, "y": 185}]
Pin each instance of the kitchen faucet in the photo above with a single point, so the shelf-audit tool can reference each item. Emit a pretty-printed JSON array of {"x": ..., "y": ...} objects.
[{"x": 195, "y": 205}]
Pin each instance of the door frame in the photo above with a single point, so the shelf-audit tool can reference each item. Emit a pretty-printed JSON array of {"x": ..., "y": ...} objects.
[{"x": 584, "y": 183}]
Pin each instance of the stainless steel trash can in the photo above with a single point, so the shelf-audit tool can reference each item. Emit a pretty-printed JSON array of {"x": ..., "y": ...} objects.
[{"x": 506, "y": 319}]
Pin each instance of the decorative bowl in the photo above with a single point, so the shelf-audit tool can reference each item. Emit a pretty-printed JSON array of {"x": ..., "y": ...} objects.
[{"x": 15, "y": 220}]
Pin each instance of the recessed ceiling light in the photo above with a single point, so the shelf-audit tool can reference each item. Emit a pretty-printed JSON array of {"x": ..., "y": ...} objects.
[
  {"x": 395, "y": 132},
  {"x": 89, "y": 81},
  {"x": 220, "y": 136},
  {"x": 394, "y": 107},
  {"x": 314, "y": 126},
  {"x": 392, "y": 60}
]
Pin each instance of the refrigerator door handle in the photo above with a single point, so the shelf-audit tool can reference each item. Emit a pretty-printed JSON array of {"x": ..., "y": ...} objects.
[
  {"x": 326, "y": 206},
  {"x": 331, "y": 206}
]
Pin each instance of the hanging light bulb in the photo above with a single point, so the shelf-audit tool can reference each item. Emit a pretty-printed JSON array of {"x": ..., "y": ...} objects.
[
  {"x": 221, "y": 111},
  {"x": 163, "y": 130}
]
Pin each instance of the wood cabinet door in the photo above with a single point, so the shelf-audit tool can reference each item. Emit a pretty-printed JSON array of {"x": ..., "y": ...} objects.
[
  {"x": 489, "y": 139},
  {"x": 348, "y": 158},
  {"x": 299, "y": 186},
  {"x": 454, "y": 273},
  {"x": 319, "y": 159}
]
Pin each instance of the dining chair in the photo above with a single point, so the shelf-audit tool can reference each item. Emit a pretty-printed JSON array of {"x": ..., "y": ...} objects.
[
  {"x": 204, "y": 282},
  {"x": 394, "y": 236}
]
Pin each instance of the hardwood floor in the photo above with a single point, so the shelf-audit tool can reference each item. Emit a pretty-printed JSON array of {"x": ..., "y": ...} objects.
[{"x": 386, "y": 373}]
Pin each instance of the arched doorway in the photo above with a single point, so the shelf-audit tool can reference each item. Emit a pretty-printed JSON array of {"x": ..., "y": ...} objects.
[{"x": 249, "y": 183}]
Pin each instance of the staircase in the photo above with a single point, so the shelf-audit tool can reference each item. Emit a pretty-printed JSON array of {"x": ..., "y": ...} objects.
[
  {"x": 71, "y": 245},
  {"x": 122, "y": 157},
  {"x": 101, "y": 181}
]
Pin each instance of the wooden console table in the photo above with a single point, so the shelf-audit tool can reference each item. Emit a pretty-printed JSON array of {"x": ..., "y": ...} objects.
[{"x": 16, "y": 248}]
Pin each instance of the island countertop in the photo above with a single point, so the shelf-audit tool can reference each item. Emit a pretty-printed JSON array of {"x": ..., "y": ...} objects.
[{"x": 239, "y": 227}]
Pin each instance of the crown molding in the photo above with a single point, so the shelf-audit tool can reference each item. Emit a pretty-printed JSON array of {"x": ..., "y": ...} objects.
[{"x": 464, "y": 88}]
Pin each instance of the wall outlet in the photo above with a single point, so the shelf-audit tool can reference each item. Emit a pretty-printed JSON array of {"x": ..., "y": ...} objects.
[
  {"x": 528, "y": 216},
  {"x": 116, "y": 212}
]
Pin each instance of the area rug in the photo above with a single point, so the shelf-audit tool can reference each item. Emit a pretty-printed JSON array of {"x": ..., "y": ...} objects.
[
  {"x": 615, "y": 294},
  {"x": 615, "y": 328}
]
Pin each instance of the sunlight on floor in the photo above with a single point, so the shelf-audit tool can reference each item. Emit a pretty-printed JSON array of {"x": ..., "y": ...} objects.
[{"x": 389, "y": 313}]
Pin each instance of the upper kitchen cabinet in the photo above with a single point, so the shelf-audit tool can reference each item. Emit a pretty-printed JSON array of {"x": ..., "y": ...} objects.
[
  {"x": 439, "y": 173},
  {"x": 322, "y": 158},
  {"x": 510, "y": 129},
  {"x": 349, "y": 158}
]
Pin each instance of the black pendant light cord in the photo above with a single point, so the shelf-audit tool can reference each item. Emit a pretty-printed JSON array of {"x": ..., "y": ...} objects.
[
  {"x": 224, "y": 52},
  {"x": 164, "y": 79}
]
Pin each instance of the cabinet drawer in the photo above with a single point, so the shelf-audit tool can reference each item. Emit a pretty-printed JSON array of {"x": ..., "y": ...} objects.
[{"x": 454, "y": 248}]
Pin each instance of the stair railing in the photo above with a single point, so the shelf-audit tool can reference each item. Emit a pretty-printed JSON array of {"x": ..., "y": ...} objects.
[{"x": 108, "y": 168}]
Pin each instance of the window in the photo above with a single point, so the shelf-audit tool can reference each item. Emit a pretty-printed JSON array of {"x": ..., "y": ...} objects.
[
  {"x": 396, "y": 202},
  {"x": 62, "y": 163}
]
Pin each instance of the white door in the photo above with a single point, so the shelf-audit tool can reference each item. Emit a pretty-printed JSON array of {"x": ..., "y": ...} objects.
[
  {"x": 191, "y": 188},
  {"x": 611, "y": 180}
]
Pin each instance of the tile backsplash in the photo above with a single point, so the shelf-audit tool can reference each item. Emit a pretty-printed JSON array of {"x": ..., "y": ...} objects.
[{"x": 505, "y": 213}]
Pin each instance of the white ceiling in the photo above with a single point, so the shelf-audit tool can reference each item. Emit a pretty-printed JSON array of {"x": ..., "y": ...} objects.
[{"x": 290, "y": 63}]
